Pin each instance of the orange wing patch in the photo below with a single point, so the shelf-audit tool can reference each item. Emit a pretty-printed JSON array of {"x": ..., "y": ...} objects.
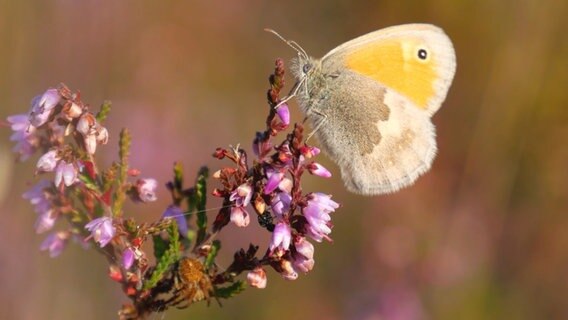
[{"x": 395, "y": 64}]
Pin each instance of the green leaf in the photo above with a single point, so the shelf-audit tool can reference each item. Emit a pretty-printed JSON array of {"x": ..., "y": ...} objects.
[
  {"x": 103, "y": 113},
  {"x": 230, "y": 291},
  {"x": 200, "y": 201},
  {"x": 109, "y": 176},
  {"x": 173, "y": 232},
  {"x": 123, "y": 153},
  {"x": 88, "y": 182},
  {"x": 215, "y": 246},
  {"x": 166, "y": 258},
  {"x": 160, "y": 247}
]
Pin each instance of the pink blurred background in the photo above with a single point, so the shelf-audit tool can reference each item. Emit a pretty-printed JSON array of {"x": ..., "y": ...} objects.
[{"x": 484, "y": 235}]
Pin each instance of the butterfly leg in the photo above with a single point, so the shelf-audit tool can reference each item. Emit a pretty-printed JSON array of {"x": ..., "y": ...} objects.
[
  {"x": 293, "y": 92},
  {"x": 319, "y": 124}
]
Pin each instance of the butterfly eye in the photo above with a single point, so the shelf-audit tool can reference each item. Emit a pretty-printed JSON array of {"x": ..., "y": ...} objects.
[
  {"x": 422, "y": 54},
  {"x": 307, "y": 67}
]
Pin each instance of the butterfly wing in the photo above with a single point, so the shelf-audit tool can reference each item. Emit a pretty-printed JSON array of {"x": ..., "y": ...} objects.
[
  {"x": 380, "y": 92},
  {"x": 379, "y": 139},
  {"x": 416, "y": 60}
]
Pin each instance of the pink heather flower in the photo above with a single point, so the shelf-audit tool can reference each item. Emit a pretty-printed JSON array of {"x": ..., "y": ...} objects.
[
  {"x": 92, "y": 132},
  {"x": 128, "y": 258},
  {"x": 55, "y": 243},
  {"x": 24, "y": 136},
  {"x": 71, "y": 111},
  {"x": 175, "y": 212},
  {"x": 303, "y": 256},
  {"x": 146, "y": 189},
  {"x": 318, "y": 170},
  {"x": 283, "y": 113},
  {"x": 48, "y": 161},
  {"x": 38, "y": 196},
  {"x": 281, "y": 203},
  {"x": 92, "y": 140},
  {"x": 50, "y": 99},
  {"x": 90, "y": 143},
  {"x": 281, "y": 237},
  {"x": 102, "y": 135},
  {"x": 101, "y": 230},
  {"x": 317, "y": 214},
  {"x": 274, "y": 179},
  {"x": 67, "y": 173},
  {"x": 257, "y": 278},
  {"x": 45, "y": 221},
  {"x": 86, "y": 124},
  {"x": 303, "y": 264},
  {"x": 240, "y": 217},
  {"x": 242, "y": 195},
  {"x": 42, "y": 107}
]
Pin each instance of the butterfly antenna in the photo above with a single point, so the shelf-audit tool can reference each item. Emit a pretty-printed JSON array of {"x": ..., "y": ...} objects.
[{"x": 292, "y": 44}]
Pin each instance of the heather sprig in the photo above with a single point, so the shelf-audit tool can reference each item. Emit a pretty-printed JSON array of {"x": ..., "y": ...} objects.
[{"x": 181, "y": 268}]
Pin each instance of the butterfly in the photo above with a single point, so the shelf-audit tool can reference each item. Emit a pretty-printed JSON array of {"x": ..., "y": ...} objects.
[{"x": 370, "y": 103}]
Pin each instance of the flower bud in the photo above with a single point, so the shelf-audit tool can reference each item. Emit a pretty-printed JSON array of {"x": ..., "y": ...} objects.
[
  {"x": 281, "y": 236},
  {"x": 257, "y": 278},
  {"x": 240, "y": 217},
  {"x": 283, "y": 113},
  {"x": 318, "y": 170},
  {"x": 86, "y": 124},
  {"x": 146, "y": 189}
]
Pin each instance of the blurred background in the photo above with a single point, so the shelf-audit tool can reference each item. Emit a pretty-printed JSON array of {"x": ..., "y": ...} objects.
[{"x": 483, "y": 235}]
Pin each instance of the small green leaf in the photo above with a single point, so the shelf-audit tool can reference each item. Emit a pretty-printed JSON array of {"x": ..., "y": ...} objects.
[
  {"x": 124, "y": 150},
  {"x": 88, "y": 182},
  {"x": 103, "y": 113},
  {"x": 123, "y": 153},
  {"x": 160, "y": 246},
  {"x": 230, "y": 291},
  {"x": 166, "y": 258},
  {"x": 215, "y": 246},
  {"x": 109, "y": 176},
  {"x": 200, "y": 201},
  {"x": 173, "y": 232}
]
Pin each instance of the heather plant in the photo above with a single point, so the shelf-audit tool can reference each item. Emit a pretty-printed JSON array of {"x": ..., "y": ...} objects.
[{"x": 180, "y": 269}]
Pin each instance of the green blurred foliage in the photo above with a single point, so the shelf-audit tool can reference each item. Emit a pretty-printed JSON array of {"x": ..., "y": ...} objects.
[{"x": 482, "y": 236}]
